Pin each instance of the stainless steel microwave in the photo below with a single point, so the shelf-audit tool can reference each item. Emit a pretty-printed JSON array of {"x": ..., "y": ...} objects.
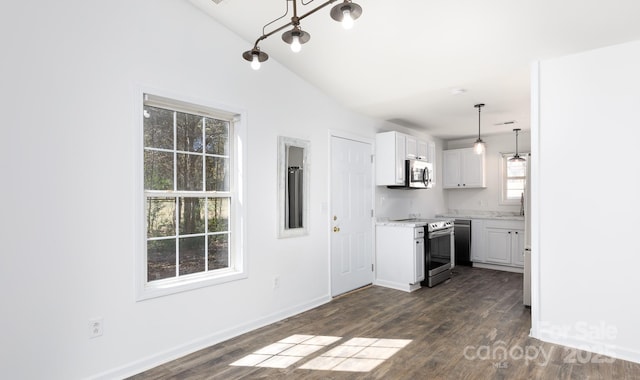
[{"x": 417, "y": 175}]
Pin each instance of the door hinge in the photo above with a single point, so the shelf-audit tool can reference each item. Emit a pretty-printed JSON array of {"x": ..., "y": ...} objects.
[
  {"x": 372, "y": 213},
  {"x": 372, "y": 158},
  {"x": 372, "y": 267}
]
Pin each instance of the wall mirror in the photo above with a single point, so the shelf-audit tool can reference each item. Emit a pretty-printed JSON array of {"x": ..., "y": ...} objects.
[{"x": 293, "y": 187}]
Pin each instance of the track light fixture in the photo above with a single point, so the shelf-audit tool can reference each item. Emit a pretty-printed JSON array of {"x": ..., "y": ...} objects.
[
  {"x": 345, "y": 12},
  {"x": 479, "y": 147}
]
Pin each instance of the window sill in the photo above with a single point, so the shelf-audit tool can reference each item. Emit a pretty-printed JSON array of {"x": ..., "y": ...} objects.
[{"x": 187, "y": 283}]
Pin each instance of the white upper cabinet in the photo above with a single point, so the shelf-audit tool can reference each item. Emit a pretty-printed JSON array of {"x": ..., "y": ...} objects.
[
  {"x": 463, "y": 169},
  {"x": 392, "y": 149},
  {"x": 390, "y": 156},
  {"x": 411, "y": 147},
  {"x": 422, "y": 148}
]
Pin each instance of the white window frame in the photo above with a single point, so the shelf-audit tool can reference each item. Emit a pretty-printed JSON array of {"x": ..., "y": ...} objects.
[
  {"x": 504, "y": 157},
  {"x": 238, "y": 258}
]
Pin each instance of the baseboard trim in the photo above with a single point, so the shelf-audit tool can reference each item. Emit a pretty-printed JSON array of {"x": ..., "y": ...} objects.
[
  {"x": 594, "y": 347},
  {"x": 198, "y": 344},
  {"x": 503, "y": 268}
]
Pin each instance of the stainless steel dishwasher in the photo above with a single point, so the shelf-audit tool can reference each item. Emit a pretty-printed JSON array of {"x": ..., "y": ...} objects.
[{"x": 462, "y": 231}]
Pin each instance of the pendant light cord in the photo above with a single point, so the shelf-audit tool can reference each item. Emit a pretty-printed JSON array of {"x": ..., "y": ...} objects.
[{"x": 479, "y": 109}]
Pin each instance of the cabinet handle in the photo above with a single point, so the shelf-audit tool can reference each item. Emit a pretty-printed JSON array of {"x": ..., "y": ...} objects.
[
  {"x": 516, "y": 232},
  {"x": 509, "y": 231}
]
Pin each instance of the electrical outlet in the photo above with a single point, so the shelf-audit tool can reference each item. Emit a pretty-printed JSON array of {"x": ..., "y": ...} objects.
[
  {"x": 95, "y": 327},
  {"x": 276, "y": 282}
]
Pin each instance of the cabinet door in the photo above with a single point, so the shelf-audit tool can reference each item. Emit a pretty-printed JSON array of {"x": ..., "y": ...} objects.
[
  {"x": 418, "y": 261},
  {"x": 498, "y": 245},
  {"x": 517, "y": 248},
  {"x": 451, "y": 169},
  {"x": 411, "y": 147},
  {"x": 400, "y": 157},
  {"x": 422, "y": 148},
  {"x": 477, "y": 246},
  {"x": 472, "y": 169}
]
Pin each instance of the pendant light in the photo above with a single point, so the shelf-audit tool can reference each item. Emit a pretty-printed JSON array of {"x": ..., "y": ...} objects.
[
  {"x": 345, "y": 12},
  {"x": 479, "y": 147},
  {"x": 516, "y": 157}
]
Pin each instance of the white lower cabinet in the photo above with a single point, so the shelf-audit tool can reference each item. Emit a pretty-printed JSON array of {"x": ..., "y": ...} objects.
[
  {"x": 497, "y": 242},
  {"x": 399, "y": 257},
  {"x": 477, "y": 246}
]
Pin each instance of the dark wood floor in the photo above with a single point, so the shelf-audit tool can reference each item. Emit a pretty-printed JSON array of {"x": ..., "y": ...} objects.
[{"x": 457, "y": 331}]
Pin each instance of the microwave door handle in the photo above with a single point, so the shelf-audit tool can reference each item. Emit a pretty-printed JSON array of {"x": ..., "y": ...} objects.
[{"x": 425, "y": 177}]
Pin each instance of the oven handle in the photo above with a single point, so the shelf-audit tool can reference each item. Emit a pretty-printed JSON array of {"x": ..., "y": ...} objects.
[{"x": 440, "y": 233}]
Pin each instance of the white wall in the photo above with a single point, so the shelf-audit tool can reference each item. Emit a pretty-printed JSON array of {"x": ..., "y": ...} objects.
[
  {"x": 487, "y": 199},
  {"x": 585, "y": 212},
  {"x": 69, "y": 77}
]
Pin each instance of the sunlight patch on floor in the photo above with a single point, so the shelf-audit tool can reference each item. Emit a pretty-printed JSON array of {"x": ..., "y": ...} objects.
[
  {"x": 287, "y": 351},
  {"x": 354, "y": 355}
]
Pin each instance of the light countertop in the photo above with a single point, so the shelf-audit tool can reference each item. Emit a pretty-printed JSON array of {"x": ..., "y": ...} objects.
[
  {"x": 417, "y": 222},
  {"x": 483, "y": 215}
]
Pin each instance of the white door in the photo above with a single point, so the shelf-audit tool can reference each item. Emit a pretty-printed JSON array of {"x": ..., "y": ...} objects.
[{"x": 351, "y": 215}]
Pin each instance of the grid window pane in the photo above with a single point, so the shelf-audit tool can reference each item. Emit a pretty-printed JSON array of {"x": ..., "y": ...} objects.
[
  {"x": 158, "y": 170},
  {"x": 218, "y": 251},
  {"x": 191, "y": 214},
  {"x": 192, "y": 255},
  {"x": 217, "y": 171},
  {"x": 516, "y": 169},
  {"x": 158, "y": 128},
  {"x": 218, "y": 214},
  {"x": 189, "y": 172},
  {"x": 217, "y": 137},
  {"x": 161, "y": 217},
  {"x": 161, "y": 259},
  {"x": 188, "y": 132}
]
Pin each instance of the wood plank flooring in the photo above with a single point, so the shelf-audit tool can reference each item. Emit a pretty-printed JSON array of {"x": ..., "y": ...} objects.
[{"x": 458, "y": 330}]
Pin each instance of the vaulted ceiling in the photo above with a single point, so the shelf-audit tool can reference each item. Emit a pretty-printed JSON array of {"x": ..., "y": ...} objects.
[{"x": 425, "y": 63}]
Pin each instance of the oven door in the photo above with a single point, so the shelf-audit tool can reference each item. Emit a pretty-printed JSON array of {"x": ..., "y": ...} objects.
[{"x": 438, "y": 251}]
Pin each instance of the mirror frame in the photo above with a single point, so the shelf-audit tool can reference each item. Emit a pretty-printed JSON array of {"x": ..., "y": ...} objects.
[{"x": 283, "y": 144}]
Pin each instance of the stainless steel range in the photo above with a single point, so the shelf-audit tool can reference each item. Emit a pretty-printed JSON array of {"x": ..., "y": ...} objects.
[{"x": 439, "y": 251}]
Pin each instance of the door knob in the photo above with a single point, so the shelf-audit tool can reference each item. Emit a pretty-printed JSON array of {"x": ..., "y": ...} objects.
[{"x": 336, "y": 229}]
